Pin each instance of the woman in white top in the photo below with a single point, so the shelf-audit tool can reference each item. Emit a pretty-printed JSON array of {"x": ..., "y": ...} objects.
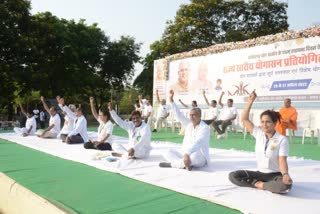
[
  {"x": 31, "y": 123},
  {"x": 271, "y": 151},
  {"x": 104, "y": 131}
]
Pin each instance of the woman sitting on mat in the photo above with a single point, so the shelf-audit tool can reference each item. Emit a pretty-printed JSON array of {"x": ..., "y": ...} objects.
[
  {"x": 104, "y": 131},
  {"x": 271, "y": 151}
]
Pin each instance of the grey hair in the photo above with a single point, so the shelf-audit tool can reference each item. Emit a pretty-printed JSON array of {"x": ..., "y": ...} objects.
[{"x": 196, "y": 109}]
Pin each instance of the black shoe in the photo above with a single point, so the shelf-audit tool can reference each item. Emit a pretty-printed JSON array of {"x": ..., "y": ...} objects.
[
  {"x": 165, "y": 164},
  {"x": 154, "y": 130},
  {"x": 188, "y": 168}
]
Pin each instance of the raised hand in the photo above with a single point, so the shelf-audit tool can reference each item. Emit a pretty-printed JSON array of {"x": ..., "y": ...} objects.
[
  {"x": 253, "y": 95},
  {"x": 110, "y": 106},
  {"x": 171, "y": 95},
  {"x": 91, "y": 99},
  {"x": 42, "y": 98}
]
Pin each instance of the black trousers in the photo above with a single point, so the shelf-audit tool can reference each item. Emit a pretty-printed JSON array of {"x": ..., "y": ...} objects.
[
  {"x": 101, "y": 146},
  {"x": 272, "y": 181},
  {"x": 74, "y": 139},
  {"x": 216, "y": 124},
  {"x": 42, "y": 124},
  {"x": 208, "y": 122}
]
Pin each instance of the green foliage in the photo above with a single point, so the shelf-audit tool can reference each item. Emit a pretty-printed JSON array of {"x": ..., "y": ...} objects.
[
  {"x": 203, "y": 23},
  {"x": 59, "y": 57}
]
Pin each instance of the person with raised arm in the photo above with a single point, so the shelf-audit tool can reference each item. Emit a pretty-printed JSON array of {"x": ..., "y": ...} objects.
[
  {"x": 54, "y": 122},
  {"x": 163, "y": 112},
  {"x": 228, "y": 113},
  {"x": 139, "y": 136},
  {"x": 194, "y": 104},
  {"x": 78, "y": 134},
  {"x": 271, "y": 150},
  {"x": 195, "y": 145},
  {"x": 137, "y": 106},
  {"x": 105, "y": 128},
  {"x": 68, "y": 121},
  {"x": 31, "y": 123},
  {"x": 214, "y": 112}
]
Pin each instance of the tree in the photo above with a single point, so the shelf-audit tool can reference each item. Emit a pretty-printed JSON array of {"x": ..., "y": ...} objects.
[
  {"x": 203, "y": 23},
  {"x": 118, "y": 64},
  {"x": 142, "y": 82},
  {"x": 14, "y": 28}
]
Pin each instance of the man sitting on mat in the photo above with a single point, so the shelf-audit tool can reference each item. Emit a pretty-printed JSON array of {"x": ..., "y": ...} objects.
[
  {"x": 139, "y": 136},
  {"x": 54, "y": 123},
  {"x": 31, "y": 123},
  {"x": 195, "y": 145}
]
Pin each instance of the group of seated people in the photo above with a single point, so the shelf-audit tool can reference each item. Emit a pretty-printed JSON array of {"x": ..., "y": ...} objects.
[{"x": 271, "y": 147}]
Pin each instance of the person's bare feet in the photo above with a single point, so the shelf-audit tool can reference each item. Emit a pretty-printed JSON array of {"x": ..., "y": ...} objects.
[
  {"x": 259, "y": 184},
  {"x": 116, "y": 154}
]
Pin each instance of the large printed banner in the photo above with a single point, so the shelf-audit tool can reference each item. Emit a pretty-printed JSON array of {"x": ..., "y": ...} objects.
[{"x": 277, "y": 71}]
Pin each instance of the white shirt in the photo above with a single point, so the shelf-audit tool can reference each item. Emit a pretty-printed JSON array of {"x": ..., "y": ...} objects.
[
  {"x": 67, "y": 126},
  {"x": 104, "y": 129},
  {"x": 227, "y": 112},
  {"x": 163, "y": 111},
  {"x": 139, "y": 137},
  {"x": 147, "y": 109},
  {"x": 213, "y": 113},
  {"x": 195, "y": 138},
  {"x": 79, "y": 124},
  {"x": 57, "y": 123},
  {"x": 268, "y": 160},
  {"x": 36, "y": 112},
  {"x": 42, "y": 116},
  {"x": 31, "y": 122}
]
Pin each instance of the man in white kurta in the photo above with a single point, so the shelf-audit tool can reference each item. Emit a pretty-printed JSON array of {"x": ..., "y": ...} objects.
[
  {"x": 139, "y": 136},
  {"x": 54, "y": 123},
  {"x": 195, "y": 145},
  {"x": 163, "y": 112},
  {"x": 31, "y": 124},
  {"x": 30, "y": 127}
]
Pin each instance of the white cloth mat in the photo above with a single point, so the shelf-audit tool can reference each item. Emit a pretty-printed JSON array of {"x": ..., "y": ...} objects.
[{"x": 210, "y": 183}]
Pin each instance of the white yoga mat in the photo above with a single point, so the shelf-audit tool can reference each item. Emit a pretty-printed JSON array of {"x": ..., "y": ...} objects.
[{"x": 210, "y": 183}]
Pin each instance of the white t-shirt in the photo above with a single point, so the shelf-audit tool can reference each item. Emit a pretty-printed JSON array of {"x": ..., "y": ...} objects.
[
  {"x": 213, "y": 112},
  {"x": 57, "y": 123},
  {"x": 42, "y": 116},
  {"x": 31, "y": 122},
  {"x": 147, "y": 109},
  {"x": 104, "y": 129},
  {"x": 268, "y": 159},
  {"x": 68, "y": 125},
  {"x": 163, "y": 111},
  {"x": 227, "y": 112}
]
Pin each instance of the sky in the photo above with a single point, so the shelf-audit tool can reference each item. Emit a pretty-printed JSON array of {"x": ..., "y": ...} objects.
[{"x": 145, "y": 20}]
